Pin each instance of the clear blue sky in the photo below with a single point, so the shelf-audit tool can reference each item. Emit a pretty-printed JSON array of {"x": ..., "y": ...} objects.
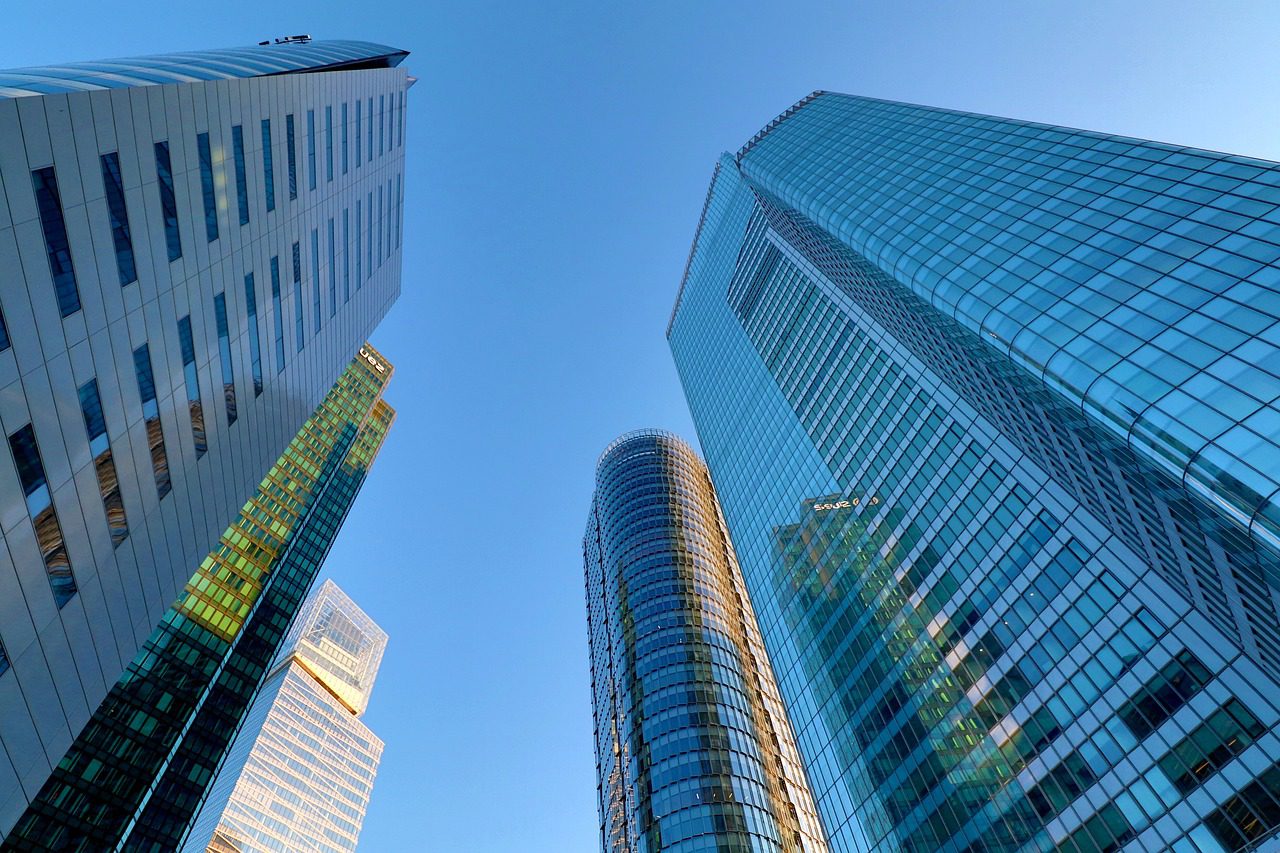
[{"x": 559, "y": 156}]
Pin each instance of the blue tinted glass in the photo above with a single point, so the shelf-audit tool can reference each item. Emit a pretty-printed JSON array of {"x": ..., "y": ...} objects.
[
  {"x": 382, "y": 122},
  {"x": 359, "y": 280},
  {"x": 151, "y": 418},
  {"x": 278, "y": 310},
  {"x": 268, "y": 168},
  {"x": 344, "y": 138},
  {"x": 95, "y": 423},
  {"x": 293, "y": 156},
  {"x": 191, "y": 378},
  {"x": 358, "y": 120},
  {"x": 224, "y": 355},
  {"x": 118, "y": 214},
  {"x": 168, "y": 202},
  {"x": 328, "y": 143},
  {"x": 315, "y": 274},
  {"x": 311, "y": 149},
  {"x": 346, "y": 255},
  {"x": 255, "y": 345},
  {"x": 333, "y": 272},
  {"x": 206, "y": 186},
  {"x": 299, "y": 331},
  {"x": 242, "y": 179},
  {"x": 44, "y": 520},
  {"x": 57, "y": 247}
]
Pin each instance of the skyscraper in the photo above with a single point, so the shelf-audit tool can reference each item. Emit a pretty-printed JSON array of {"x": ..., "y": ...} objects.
[
  {"x": 139, "y": 771},
  {"x": 194, "y": 247},
  {"x": 693, "y": 749},
  {"x": 991, "y": 410},
  {"x": 301, "y": 771}
]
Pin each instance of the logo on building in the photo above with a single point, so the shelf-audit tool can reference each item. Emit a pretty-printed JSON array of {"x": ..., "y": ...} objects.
[{"x": 374, "y": 361}]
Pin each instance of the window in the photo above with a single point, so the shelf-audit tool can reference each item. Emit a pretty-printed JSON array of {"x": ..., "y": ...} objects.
[
  {"x": 224, "y": 355},
  {"x": 369, "y": 245},
  {"x": 53, "y": 549},
  {"x": 399, "y": 209},
  {"x": 333, "y": 272},
  {"x": 206, "y": 187},
  {"x": 370, "y": 140},
  {"x": 358, "y": 105},
  {"x": 4, "y": 660},
  {"x": 293, "y": 156},
  {"x": 118, "y": 215},
  {"x": 56, "y": 244},
  {"x": 242, "y": 180},
  {"x": 400, "y": 121},
  {"x": 4, "y": 334},
  {"x": 382, "y": 122},
  {"x": 344, "y": 138},
  {"x": 1225, "y": 734},
  {"x": 346, "y": 255},
  {"x": 151, "y": 418},
  {"x": 95, "y": 425},
  {"x": 255, "y": 345},
  {"x": 328, "y": 143},
  {"x": 299, "y": 330},
  {"x": 390, "y": 216},
  {"x": 268, "y": 168},
  {"x": 1250, "y": 814},
  {"x": 359, "y": 281},
  {"x": 195, "y": 408},
  {"x": 311, "y": 149},
  {"x": 278, "y": 310},
  {"x": 379, "y": 225},
  {"x": 169, "y": 202},
  {"x": 1162, "y": 696},
  {"x": 315, "y": 274}
]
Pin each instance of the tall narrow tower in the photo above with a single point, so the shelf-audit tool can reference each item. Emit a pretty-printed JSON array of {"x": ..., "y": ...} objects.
[
  {"x": 301, "y": 772},
  {"x": 692, "y": 744}
]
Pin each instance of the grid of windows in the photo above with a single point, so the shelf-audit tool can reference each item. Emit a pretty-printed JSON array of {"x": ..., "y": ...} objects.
[
  {"x": 57, "y": 248},
  {"x": 242, "y": 178},
  {"x": 191, "y": 379},
  {"x": 104, "y": 465},
  {"x": 224, "y": 356},
  {"x": 118, "y": 215},
  {"x": 151, "y": 418},
  {"x": 44, "y": 519},
  {"x": 169, "y": 202}
]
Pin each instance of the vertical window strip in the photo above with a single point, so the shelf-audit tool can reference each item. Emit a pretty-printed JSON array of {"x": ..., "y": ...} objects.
[
  {"x": 369, "y": 244},
  {"x": 399, "y": 209},
  {"x": 255, "y": 344},
  {"x": 344, "y": 138},
  {"x": 328, "y": 143},
  {"x": 206, "y": 186},
  {"x": 268, "y": 168},
  {"x": 118, "y": 215},
  {"x": 333, "y": 273},
  {"x": 290, "y": 138},
  {"x": 224, "y": 355},
  {"x": 400, "y": 122},
  {"x": 382, "y": 122},
  {"x": 359, "y": 280},
  {"x": 151, "y": 418},
  {"x": 370, "y": 140},
  {"x": 57, "y": 246},
  {"x": 169, "y": 202},
  {"x": 346, "y": 255},
  {"x": 311, "y": 149},
  {"x": 358, "y": 105},
  {"x": 4, "y": 660},
  {"x": 242, "y": 179},
  {"x": 299, "y": 328},
  {"x": 104, "y": 465},
  {"x": 191, "y": 377},
  {"x": 35, "y": 489},
  {"x": 390, "y": 215},
  {"x": 278, "y": 311},
  {"x": 379, "y": 226},
  {"x": 315, "y": 274},
  {"x": 4, "y": 334}
]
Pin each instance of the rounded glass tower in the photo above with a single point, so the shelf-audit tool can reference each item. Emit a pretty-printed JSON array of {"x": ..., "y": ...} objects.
[{"x": 693, "y": 749}]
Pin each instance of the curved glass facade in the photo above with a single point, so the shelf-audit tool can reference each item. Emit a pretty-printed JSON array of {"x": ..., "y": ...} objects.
[
  {"x": 197, "y": 65},
  {"x": 693, "y": 749},
  {"x": 998, "y": 620}
]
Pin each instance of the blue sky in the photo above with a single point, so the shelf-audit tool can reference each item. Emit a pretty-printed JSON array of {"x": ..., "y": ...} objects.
[{"x": 559, "y": 156}]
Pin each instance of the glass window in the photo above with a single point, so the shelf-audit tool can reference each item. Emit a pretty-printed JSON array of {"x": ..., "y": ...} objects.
[
  {"x": 278, "y": 311},
  {"x": 346, "y": 255},
  {"x": 4, "y": 334},
  {"x": 359, "y": 281},
  {"x": 333, "y": 272},
  {"x": 328, "y": 143},
  {"x": 293, "y": 156},
  {"x": 268, "y": 169},
  {"x": 118, "y": 214},
  {"x": 4, "y": 660},
  {"x": 400, "y": 121},
  {"x": 369, "y": 245},
  {"x": 390, "y": 215},
  {"x": 255, "y": 345},
  {"x": 242, "y": 180},
  {"x": 195, "y": 408},
  {"x": 299, "y": 331},
  {"x": 224, "y": 355},
  {"x": 379, "y": 225},
  {"x": 311, "y": 149},
  {"x": 382, "y": 122},
  {"x": 344, "y": 139},
  {"x": 53, "y": 549},
  {"x": 358, "y": 105},
  {"x": 103, "y": 463},
  {"x": 151, "y": 418},
  {"x": 169, "y": 202},
  {"x": 56, "y": 244},
  {"x": 370, "y": 139},
  {"x": 206, "y": 186},
  {"x": 315, "y": 274},
  {"x": 399, "y": 209}
]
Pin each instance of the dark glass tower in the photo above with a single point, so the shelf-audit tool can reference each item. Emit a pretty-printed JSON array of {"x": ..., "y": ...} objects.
[
  {"x": 991, "y": 408},
  {"x": 693, "y": 749}
]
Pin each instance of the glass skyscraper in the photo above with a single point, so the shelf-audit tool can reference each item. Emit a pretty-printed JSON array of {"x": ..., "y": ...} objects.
[
  {"x": 194, "y": 247},
  {"x": 991, "y": 409},
  {"x": 693, "y": 749},
  {"x": 300, "y": 773},
  {"x": 141, "y": 768}
]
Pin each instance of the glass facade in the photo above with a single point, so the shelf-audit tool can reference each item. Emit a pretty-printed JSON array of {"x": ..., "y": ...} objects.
[
  {"x": 693, "y": 749},
  {"x": 301, "y": 772},
  {"x": 139, "y": 771},
  {"x": 987, "y": 407}
]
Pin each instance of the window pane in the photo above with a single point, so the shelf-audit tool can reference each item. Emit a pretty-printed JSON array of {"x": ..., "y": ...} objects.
[{"x": 57, "y": 247}]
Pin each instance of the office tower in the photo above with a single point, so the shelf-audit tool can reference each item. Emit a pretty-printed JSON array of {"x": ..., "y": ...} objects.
[
  {"x": 693, "y": 748},
  {"x": 138, "y": 772},
  {"x": 990, "y": 409},
  {"x": 194, "y": 246},
  {"x": 301, "y": 771}
]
